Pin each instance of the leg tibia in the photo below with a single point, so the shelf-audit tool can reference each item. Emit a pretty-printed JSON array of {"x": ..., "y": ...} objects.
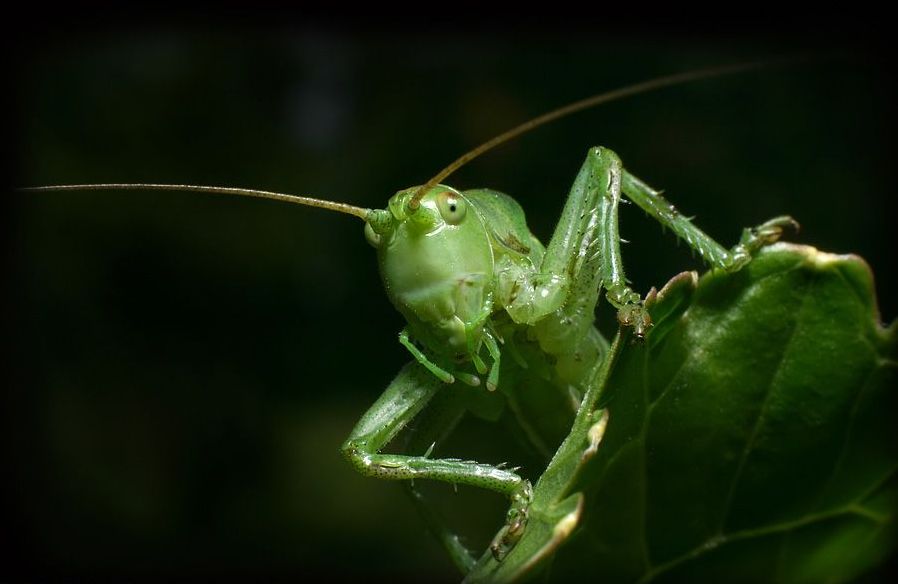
[
  {"x": 651, "y": 201},
  {"x": 402, "y": 467},
  {"x": 630, "y": 310}
]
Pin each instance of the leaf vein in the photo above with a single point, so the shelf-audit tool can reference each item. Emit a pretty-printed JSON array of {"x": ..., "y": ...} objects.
[
  {"x": 762, "y": 410},
  {"x": 843, "y": 452},
  {"x": 714, "y": 542}
]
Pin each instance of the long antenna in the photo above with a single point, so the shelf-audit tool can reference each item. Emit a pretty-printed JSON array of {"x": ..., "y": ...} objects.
[
  {"x": 296, "y": 199},
  {"x": 642, "y": 87}
]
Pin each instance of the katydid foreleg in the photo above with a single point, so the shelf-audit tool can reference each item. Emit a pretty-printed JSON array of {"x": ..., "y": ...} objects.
[
  {"x": 406, "y": 396},
  {"x": 431, "y": 428}
]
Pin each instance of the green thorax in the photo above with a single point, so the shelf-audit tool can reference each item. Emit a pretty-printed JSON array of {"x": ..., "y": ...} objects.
[{"x": 506, "y": 226}]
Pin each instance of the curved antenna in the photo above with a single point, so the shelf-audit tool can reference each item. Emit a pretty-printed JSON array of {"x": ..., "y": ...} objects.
[
  {"x": 296, "y": 199},
  {"x": 642, "y": 87}
]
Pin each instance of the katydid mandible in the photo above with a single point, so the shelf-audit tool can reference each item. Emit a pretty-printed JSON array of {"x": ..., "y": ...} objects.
[{"x": 489, "y": 307}]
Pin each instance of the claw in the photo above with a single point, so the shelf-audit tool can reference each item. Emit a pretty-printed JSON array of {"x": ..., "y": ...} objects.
[
  {"x": 515, "y": 522},
  {"x": 636, "y": 316},
  {"x": 770, "y": 231},
  {"x": 757, "y": 237}
]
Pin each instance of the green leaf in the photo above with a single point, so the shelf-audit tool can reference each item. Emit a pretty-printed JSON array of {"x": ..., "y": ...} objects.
[{"x": 749, "y": 438}]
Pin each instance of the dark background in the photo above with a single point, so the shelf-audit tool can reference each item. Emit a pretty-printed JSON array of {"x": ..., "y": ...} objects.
[{"x": 184, "y": 367}]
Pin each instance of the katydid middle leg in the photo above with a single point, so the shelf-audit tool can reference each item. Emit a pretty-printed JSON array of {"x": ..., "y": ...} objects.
[
  {"x": 631, "y": 311},
  {"x": 584, "y": 253},
  {"x": 733, "y": 259}
]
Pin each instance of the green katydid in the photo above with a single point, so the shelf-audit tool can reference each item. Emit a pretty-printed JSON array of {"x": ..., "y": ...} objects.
[{"x": 483, "y": 298}]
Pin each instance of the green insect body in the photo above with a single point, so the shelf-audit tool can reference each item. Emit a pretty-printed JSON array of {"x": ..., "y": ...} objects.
[{"x": 478, "y": 290}]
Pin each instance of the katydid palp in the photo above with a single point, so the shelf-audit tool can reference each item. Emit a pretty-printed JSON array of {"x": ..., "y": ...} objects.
[
  {"x": 487, "y": 304},
  {"x": 657, "y": 178}
]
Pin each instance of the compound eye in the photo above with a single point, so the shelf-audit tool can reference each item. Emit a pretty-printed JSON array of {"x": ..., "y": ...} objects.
[{"x": 452, "y": 207}]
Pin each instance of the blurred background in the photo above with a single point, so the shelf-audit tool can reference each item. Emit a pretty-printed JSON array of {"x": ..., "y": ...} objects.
[{"x": 185, "y": 367}]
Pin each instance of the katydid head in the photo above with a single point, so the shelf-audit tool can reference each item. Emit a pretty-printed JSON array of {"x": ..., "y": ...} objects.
[
  {"x": 437, "y": 267},
  {"x": 435, "y": 256}
]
